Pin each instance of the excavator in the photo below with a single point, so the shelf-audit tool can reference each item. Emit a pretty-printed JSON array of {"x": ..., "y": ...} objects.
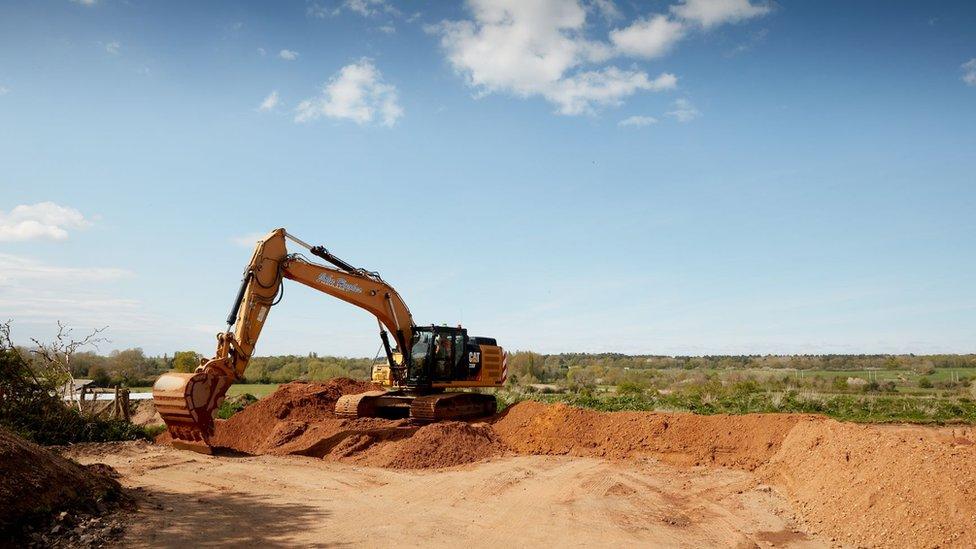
[{"x": 423, "y": 368}]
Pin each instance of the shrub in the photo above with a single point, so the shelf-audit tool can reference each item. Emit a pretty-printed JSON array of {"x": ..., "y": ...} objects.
[
  {"x": 30, "y": 407},
  {"x": 629, "y": 388},
  {"x": 233, "y": 405}
]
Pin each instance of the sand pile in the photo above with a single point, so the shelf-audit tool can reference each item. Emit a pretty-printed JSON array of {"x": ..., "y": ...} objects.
[
  {"x": 299, "y": 419},
  {"x": 743, "y": 442},
  {"x": 285, "y": 415},
  {"x": 861, "y": 484},
  {"x": 868, "y": 485},
  {"x": 437, "y": 445},
  {"x": 36, "y": 482},
  {"x": 874, "y": 485},
  {"x": 144, "y": 413}
]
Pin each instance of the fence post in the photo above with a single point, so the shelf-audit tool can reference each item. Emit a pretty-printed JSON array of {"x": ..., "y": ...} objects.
[{"x": 125, "y": 405}]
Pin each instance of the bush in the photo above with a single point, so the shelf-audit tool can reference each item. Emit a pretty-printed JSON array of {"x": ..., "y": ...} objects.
[
  {"x": 745, "y": 398},
  {"x": 629, "y": 388},
  {"x": 233, "y": 405},
  {"x": 925, "y": 383},
  {"x": 30, "y": 408}
]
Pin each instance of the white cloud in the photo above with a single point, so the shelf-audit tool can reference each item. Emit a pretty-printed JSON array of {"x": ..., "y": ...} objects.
[
  {"x": 85, "y": 2},
  {"x": 318, "y": 11},
  {"x": 288, "y": 55},
  {"x": 113, "y": 47},
  {"x": 41, "y": 220},
  {"x": 4, "y": 90},
  {"x": 606, "y": 8},
  {"x": 580, "y": 93},
  {"x": 652, "y": 37},
  {"x": 262, "y": 52},
  {"x": 683, "y": 111},
  {"x": 537, "y": 49},
  {"x": 16, "y": 269},
  {"x": 969, "y": 72},
  {"x": 358, "y": 93},
  {"x": 270, "y": 102},
  {"x": 365, "y": 8},
  {"x": 34, "y": 292},
  {"x": 637, "y": 121},
  {"x": 387, "y": 29},
  {"x": 709, "y": 13}
]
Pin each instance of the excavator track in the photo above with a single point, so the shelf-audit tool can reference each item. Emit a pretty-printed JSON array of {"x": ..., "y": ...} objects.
[
  {"x": 361, "y": 405},
  {"x": 436, "y": 407},
  {"x": 447, "y": 406}
]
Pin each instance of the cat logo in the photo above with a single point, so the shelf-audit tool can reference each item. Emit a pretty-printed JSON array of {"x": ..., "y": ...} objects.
[{"x": 474, "y": 357}]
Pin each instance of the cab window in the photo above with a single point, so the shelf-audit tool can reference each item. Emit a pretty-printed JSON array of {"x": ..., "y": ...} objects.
[
  {"x": 421, "y": 345},
  {"x": 460, "y": 357}
]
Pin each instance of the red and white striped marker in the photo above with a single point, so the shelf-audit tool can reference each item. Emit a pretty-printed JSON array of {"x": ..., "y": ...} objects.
[{"x": 504, "y": 366}]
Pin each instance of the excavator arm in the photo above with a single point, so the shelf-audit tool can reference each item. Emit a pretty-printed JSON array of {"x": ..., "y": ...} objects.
[{"x": 187, "y": 401}]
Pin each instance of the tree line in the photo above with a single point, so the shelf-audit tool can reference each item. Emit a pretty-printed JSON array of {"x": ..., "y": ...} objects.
[
  {"x": 133, "y": 367},
  {"x": 528, "y": 367}
]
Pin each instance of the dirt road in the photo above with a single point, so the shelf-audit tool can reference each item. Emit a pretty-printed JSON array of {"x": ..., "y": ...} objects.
[{"x": 193, "y": 500}]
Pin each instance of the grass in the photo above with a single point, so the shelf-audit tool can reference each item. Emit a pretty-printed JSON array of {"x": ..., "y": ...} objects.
[
  {"x": 259, "y": 390},
  {"x": 745, "y": 398},
  {"x": 918, "y": 406},
  {"x": 940, "y": 374}
]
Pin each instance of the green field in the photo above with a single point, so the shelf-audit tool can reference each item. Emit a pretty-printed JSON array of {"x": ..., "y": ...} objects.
[
  {"x": 907, "y": 380},
  {"x": 259, "y": 390}
]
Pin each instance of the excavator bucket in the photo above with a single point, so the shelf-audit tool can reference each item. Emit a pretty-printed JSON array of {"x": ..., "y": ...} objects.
[{"x": 187, "y": 403}]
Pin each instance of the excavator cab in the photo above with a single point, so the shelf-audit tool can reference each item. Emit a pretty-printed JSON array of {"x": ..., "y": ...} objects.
[{"x": 438, "y": 355}]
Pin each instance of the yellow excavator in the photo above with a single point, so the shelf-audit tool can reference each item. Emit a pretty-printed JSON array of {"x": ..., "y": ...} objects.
[{"x": 422, "y": 362}]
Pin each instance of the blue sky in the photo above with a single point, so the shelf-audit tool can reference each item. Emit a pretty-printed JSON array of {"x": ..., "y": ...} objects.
[{"x": 685, "y": 177}]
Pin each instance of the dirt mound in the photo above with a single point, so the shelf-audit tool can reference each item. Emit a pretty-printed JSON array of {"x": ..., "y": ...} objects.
[
  {"x": 868, "y": 485},
  {"x": 145, "y": 414},
  {"x": 875, "y": 485},
  {"x": 35, "y": 482},
  {"x": 284, "y": 415},
  {"x": 743, "y": 442},
  {"x": 299, "y": 419},
  {"x": 437, "y": 445},
  {"x": 862, "y": 484}
]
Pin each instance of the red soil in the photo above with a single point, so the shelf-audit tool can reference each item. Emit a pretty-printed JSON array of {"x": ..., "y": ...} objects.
[
  {"x": 862, "y": 484},
  {"x": 36, "y": 481},
  {"x": 742, "y": 442},
  {"x": 284, "y": 415}
]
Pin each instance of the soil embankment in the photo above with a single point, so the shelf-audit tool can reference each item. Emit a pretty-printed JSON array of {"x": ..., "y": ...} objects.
[
  {"x": 38, "y": 487},
  {"x": 858, "y": 484}
]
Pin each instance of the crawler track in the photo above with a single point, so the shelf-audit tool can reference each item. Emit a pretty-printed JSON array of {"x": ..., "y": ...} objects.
[
  {"x": 446, "y": 406},
  {"x": 436, "y": 407}
]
